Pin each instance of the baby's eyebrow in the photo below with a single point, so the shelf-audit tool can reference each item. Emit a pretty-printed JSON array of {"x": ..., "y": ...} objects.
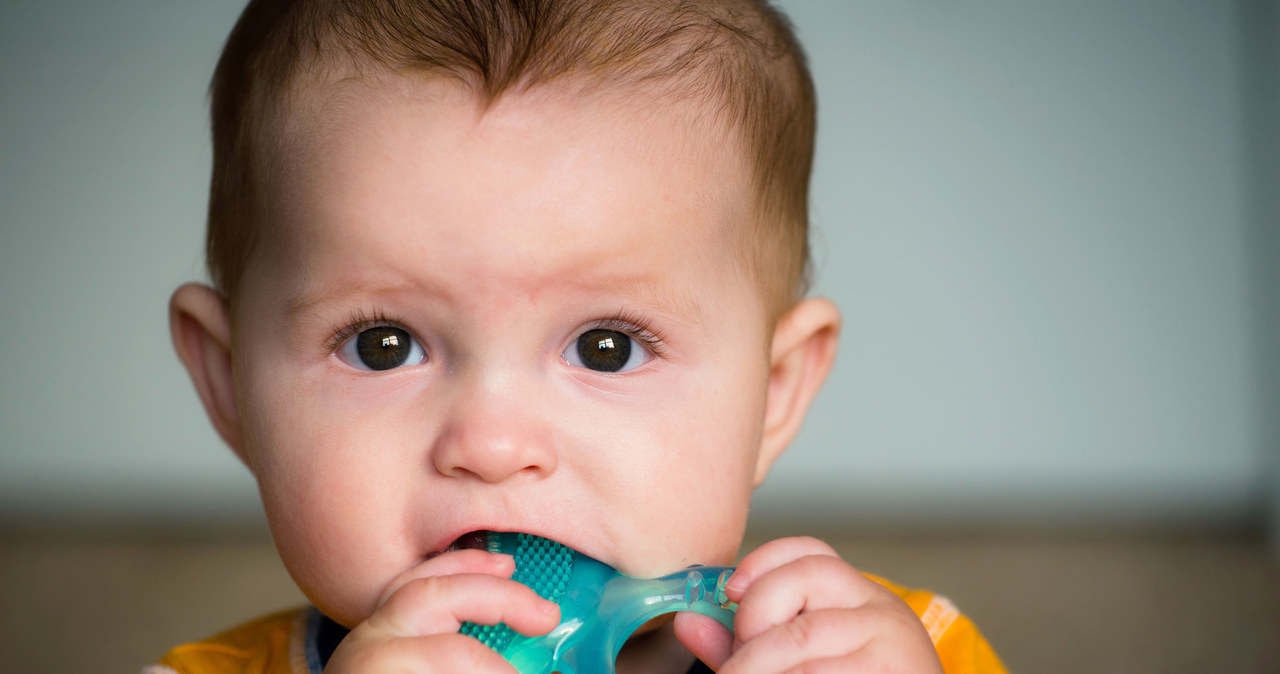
[
  {"x": 306, "y": 301},
  {"x": 664, "y": 299},
  {"x": 642, "y": 293}
]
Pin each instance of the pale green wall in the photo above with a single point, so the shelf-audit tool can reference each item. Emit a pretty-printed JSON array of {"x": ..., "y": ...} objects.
[{"x": 1045, "y": 222}]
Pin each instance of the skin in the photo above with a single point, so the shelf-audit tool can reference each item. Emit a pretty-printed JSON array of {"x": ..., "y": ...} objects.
[{"x": 495, "y": 238}]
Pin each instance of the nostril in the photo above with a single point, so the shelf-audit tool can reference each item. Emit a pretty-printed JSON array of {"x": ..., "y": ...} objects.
[
  {"x": 479, "y": 444},
  {"x": 534, "y": 470},
  {"x": 494, "y": 464}
]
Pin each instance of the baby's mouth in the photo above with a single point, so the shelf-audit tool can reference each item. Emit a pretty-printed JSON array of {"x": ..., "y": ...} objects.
[{"x": 474, "y": 540}]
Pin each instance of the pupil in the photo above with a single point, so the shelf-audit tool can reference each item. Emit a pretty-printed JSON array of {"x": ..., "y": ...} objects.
[
  {"x": 604, "y": 350},
  {"x": 383, "y": 348}
]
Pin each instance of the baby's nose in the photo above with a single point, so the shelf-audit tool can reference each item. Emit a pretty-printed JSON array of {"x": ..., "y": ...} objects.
[{"x": 494, "y": 439}]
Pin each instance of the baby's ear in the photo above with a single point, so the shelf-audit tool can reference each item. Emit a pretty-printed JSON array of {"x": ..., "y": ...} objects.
[
  {"x": 804, "y": 349},
  {"x": 200, "y": 324}
]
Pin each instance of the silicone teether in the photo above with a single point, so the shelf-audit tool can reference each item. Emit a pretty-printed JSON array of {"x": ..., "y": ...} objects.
[{"x": 599, "y": 607}]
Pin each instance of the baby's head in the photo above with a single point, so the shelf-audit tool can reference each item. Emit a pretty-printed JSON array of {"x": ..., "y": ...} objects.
[{"x": 530, "y": 266}]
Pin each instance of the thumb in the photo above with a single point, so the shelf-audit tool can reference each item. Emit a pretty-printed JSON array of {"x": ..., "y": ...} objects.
[{"x": 708, "y": 640}]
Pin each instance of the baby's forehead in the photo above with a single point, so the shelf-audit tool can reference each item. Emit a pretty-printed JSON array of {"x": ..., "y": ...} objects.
[
  {"x": 581, "y": 167},
  {"x": 317, "y": 108}
]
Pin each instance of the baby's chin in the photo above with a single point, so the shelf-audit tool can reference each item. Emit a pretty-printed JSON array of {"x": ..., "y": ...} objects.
[
  {"x": 349, "y": 616},
  {"x": 655, "y": 562},
  {"x": 646, "y": 564},
  {"x": 347, "y": 603}
]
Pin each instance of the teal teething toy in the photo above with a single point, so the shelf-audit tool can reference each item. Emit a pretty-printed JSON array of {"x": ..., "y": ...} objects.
[{"x": 599, "y": 607}]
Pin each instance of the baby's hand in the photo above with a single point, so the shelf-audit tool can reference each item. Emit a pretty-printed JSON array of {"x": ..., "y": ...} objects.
[
  {"x": 415, "y": 627},
  {"x": 802, "y": 608}
]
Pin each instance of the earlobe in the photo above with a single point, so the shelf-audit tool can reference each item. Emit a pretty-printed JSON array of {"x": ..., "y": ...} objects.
[
  {"x": 200, "y": 324},
  {"x": 803, "y": 352}
]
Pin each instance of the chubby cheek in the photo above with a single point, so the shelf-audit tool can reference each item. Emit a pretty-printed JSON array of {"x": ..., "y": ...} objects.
[
  {"x": 331, "y": 509},
  {"x": 696, "y": 475}
]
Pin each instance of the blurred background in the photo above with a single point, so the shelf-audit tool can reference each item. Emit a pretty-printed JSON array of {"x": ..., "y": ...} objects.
[{"x": 1053, "y": 228}]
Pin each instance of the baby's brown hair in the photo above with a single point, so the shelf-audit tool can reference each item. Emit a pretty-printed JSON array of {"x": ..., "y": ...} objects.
[{"x": 740, "y": 56}]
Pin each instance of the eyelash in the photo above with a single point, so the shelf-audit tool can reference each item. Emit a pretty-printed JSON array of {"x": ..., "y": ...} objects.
[
  {"x": 630, "y": 324},
  {"x": 624, "y": 321},
  {"x": 358, "y": 322}
]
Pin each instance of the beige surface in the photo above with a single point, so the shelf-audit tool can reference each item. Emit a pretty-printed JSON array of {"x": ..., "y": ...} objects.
[{"x": 1048, "y": 602}]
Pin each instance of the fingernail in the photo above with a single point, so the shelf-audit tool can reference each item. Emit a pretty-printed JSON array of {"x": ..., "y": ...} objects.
[{"x": 736, "y": 583}]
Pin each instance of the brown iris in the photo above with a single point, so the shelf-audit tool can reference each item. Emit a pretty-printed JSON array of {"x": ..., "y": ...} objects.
[
  {"x": 604, "y": 350},
  {"x": 384, "y": 347}
]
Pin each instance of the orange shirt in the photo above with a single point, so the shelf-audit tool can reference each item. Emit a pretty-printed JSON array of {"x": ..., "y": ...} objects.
[{"x": 961, "y": 647}]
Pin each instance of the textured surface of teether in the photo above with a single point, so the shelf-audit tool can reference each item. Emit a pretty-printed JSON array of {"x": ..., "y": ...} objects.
[{"x": 541, "y": 564}]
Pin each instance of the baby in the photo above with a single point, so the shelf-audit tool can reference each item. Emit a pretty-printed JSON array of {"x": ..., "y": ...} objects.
[{"x": 534, "y": 266}]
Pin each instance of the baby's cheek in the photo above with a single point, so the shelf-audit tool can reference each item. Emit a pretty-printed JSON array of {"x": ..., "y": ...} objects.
[
  {"x": 341, "y": 584},
  {"x": 704, "y": 490},
  {"x": 325, "y": 541}
]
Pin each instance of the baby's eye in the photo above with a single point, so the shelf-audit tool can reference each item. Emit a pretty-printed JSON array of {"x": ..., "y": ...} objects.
[
  {"x": 381, "y": 348},
  {"x": 606, "y": 351}
]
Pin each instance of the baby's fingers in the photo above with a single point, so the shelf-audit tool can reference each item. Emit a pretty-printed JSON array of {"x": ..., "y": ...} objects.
[
  {"x": 438, "y": 653},
  {"x": 803, "y": 585},
  {"x": 440, "y": 604},
  {"x": 825, "y": 636},
  {"x": 415, "y": 628},
  {"x": 772, "y": 555},
  {"x": 705, "y": 638},
  {"x": 456, "y": 563},
  {"x": 840, "y": 640}
]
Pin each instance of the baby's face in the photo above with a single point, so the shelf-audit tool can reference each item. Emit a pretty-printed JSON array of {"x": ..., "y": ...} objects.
[{"x": 528, "y": 319}]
